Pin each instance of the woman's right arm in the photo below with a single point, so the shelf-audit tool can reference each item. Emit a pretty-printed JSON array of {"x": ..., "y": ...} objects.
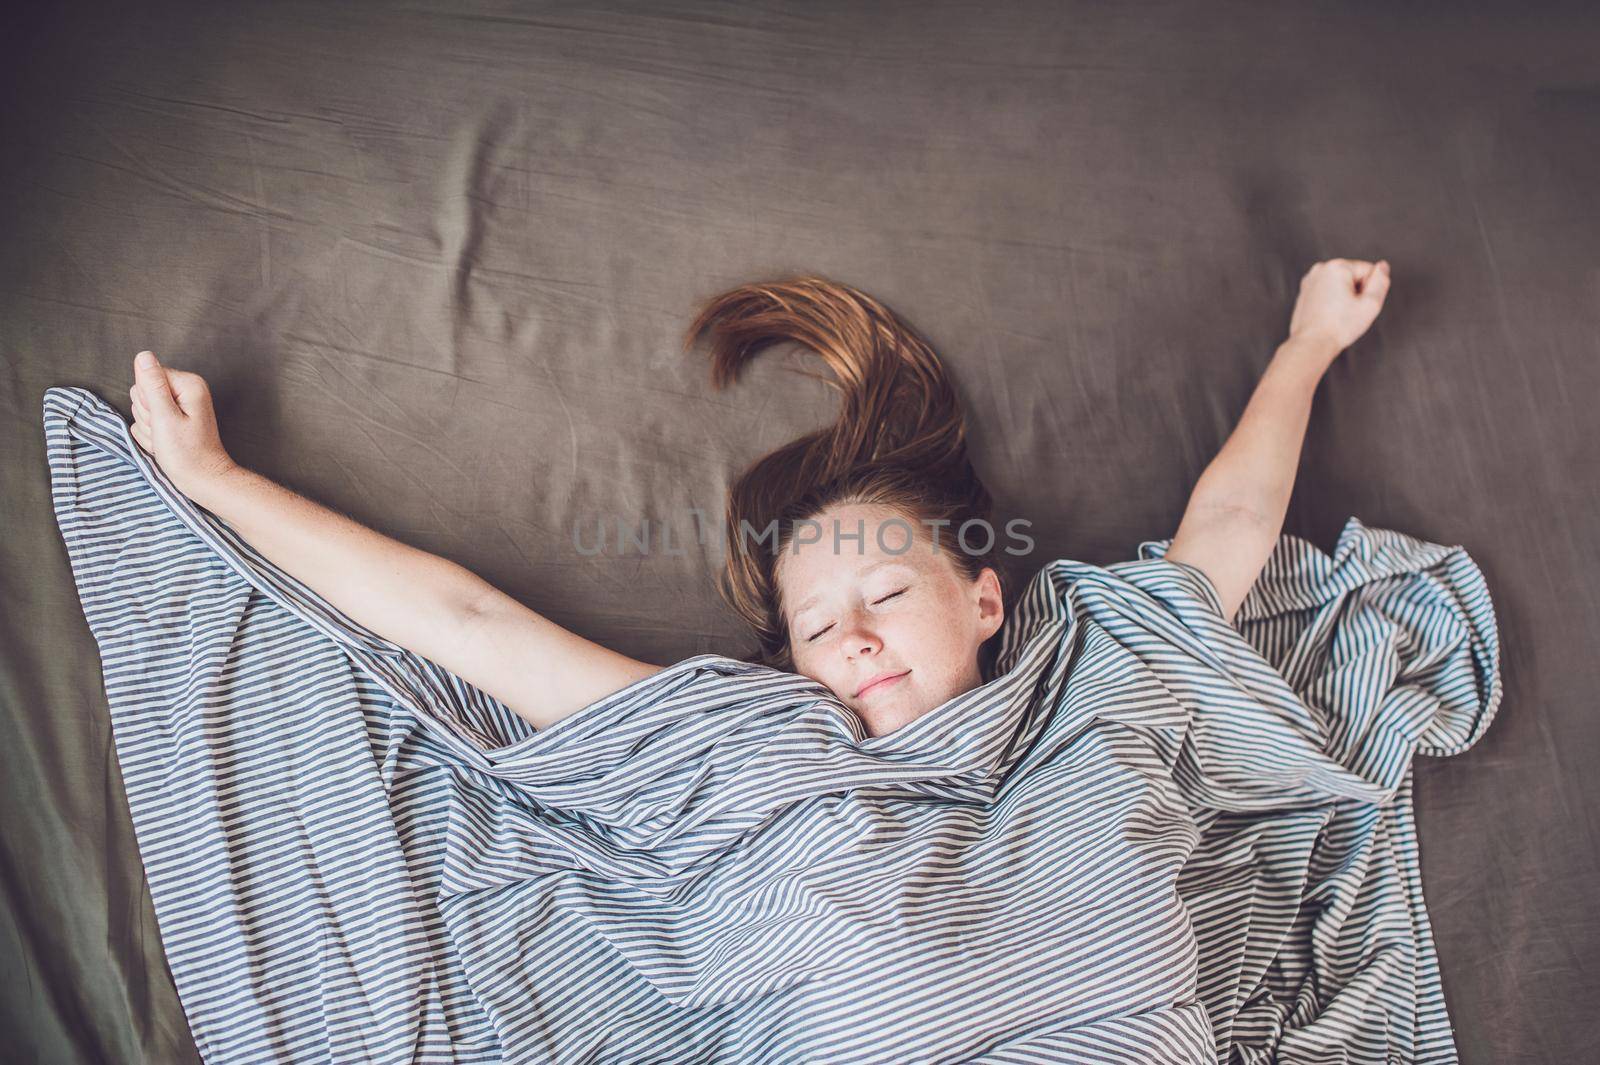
[{"x": 420, "y": 601}]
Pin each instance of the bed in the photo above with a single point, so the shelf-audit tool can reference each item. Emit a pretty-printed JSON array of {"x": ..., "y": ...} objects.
[{"x": 435, "y": 264}]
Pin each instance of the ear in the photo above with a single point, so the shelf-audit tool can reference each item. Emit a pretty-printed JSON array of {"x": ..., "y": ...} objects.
[{"x": 991, "y": 602}]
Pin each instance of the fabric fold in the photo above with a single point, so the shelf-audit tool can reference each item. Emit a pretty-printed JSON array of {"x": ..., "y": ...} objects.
[{"x": 1149, "y": 835}]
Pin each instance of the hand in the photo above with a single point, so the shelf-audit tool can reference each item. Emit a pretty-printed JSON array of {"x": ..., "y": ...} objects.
[
  {"x": 174, "y": 423},
  {"x": 1339, "y": 299}
]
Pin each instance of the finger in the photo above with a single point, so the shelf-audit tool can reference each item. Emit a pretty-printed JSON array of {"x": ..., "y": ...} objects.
[
  {"x": 189, "y": 389},
  {"x": 187, "y": 379},
  {"x": 153, "y": 384},
  {"x": 139, "y": 409},
  {"x": 1377, "y": 284}
]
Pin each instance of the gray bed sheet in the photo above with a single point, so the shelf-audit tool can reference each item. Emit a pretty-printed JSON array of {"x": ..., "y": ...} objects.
[{"x": 435, "y": 262}]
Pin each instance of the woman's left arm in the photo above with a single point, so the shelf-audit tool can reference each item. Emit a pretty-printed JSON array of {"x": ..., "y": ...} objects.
[{"x": 1235, "y": 513}]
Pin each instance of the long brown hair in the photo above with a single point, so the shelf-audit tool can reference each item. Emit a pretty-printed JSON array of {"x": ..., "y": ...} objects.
[{"x": 899, "y": 440}]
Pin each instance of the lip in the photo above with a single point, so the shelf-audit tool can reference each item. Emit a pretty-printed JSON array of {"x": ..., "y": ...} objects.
[{"x": 881, "y": 681}]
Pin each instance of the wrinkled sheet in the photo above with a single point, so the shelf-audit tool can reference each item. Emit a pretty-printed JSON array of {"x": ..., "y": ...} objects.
[
  {"x": 1150, "y": 835},
  {"x": 435, "y": 259}
]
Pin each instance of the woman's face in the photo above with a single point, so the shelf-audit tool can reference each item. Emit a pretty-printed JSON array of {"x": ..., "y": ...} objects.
[{"x": 856, "y": 611}]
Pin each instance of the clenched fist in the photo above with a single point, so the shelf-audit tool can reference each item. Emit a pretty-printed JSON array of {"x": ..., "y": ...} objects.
[
  {"x": 1339, "y": 300},
  {"x": 173, "y": 422}
]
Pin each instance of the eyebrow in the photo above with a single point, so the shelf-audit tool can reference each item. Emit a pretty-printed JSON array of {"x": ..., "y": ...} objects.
[{"x": 876, "y": 565}]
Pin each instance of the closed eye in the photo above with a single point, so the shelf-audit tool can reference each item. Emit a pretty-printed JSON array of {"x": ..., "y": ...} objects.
[{"x": 875, "y": 602}]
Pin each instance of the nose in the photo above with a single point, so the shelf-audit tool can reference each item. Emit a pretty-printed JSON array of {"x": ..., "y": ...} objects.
[{"x": 859, "y": 638}]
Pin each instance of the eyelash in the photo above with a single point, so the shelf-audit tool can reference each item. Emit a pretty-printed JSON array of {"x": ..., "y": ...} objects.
[{"x": 875, "y": 602}]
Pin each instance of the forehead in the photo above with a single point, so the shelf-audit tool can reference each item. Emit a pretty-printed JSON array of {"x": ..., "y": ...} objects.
[
  {"x": 810, "y": 573},
  {"x": 811, "y": 593}
]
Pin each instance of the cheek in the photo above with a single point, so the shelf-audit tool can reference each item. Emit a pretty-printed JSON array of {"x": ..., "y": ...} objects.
[
  {"x": 929, "y": 628},
  {"x": 937, "y": 648},
  {"x": 809, "y": 663}
]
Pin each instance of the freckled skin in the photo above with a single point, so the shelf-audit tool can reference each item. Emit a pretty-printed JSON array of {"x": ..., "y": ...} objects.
[{"x": 934, "y": 628}]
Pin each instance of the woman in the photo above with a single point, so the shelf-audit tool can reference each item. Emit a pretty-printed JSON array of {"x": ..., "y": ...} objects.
[
  {"x": 1155, "y": 833},
  {"x": 889, "y": 616}
]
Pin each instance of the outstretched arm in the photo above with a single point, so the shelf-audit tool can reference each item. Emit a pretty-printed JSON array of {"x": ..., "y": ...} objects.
[
  {"x": 420, "y": 601},
  {"x": 1237, "y": 508},
  {"x": 1235, "y": 514}
]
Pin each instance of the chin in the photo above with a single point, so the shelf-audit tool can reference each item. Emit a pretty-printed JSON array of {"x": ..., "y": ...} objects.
[{"x": 882, "y": 720}]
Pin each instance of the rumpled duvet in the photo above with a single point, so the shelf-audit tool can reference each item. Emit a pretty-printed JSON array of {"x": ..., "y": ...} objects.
[{"x": 1152, "y": 835}]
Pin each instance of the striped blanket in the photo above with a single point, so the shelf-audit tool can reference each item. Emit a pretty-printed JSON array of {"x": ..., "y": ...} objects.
[{"x": 1150, "y": 835}]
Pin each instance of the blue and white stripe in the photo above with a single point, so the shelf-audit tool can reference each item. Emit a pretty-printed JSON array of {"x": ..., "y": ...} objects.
[{"x": 1151, "y": 836}]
